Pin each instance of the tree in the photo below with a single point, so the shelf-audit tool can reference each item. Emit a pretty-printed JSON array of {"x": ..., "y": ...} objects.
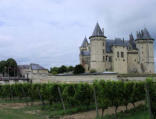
[
  {"x": 54, "y": 70},
  {"x": 12, "y": 67},
  {"x": 62, "y": 69},
  {"x": 9, "y": 67},
  {"x": 79, "y": 69},
  {"x": 70, "y": 68},
  {"x": 3, "y": 66}
]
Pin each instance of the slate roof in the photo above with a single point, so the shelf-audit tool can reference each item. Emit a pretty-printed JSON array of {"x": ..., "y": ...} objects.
[
  {"x": 120, "y": 42},
  {"x": 143, "y": 34},
  {"x": 109, "y": 44},
  {"x": 85, "y": 42},
  {"x": 116, "y": 42},
  {"x": 131, "y": 42},
  {"x": 97, "y": 31},
  {"x": 36, "y": 67},
  {"x": 23, "y": 66},
  {"x": 32, "y": 66},
  {"x": 85, "y": 53}
]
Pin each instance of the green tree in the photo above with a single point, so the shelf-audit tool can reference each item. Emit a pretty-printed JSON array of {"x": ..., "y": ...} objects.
[
  {"x": 70, "y": 68},
  {"x": 54, "y": 70},
  {"x": 79, "y": 69},
  {"x": 62, "y": 69},
  {"x": 12, "y": 67},
  {"x": 3, "y": 67}
]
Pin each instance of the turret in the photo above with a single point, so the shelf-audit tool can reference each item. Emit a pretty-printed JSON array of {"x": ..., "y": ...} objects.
[
  {"x": 85, "y": 54},
  {"x": 144, "y": 43},
  {"x": 131, "y": 43},
  {"x": 98, "y": 49}
]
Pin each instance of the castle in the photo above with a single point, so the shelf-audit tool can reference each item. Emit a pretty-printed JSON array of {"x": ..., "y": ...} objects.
[{"x": 118, "y": 55}]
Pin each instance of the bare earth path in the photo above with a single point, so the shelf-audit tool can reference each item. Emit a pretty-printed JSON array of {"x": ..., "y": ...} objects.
[
  {"x": 92, "y": 114},
  {"x": 83, "y": 115}
]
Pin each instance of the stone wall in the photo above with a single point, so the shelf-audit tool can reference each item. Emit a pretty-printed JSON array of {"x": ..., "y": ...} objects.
[
  {"x": 73, "y": 78},
  {"x": 119, "y": 61}
]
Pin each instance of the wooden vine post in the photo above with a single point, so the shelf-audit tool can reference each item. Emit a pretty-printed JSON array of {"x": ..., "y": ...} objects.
[
  {"x": 148, "y": 100},
  {"x": 59, "y": 91},
  {"x": 96, "y": 104}
]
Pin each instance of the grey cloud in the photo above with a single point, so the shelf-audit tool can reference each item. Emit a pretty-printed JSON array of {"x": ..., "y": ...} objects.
[{"x": 50, "y": 32}]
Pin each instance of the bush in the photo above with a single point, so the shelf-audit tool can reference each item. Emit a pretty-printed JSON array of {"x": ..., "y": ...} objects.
[
  {"x": 92, "y": 71},
  {"x": 79, "y": 69}
]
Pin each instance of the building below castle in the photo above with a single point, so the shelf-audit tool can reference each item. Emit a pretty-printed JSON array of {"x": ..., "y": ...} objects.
[{"x": 118, "y": 55}]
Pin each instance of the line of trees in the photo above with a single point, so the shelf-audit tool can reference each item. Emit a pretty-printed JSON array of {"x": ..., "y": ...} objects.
[
  {"x": 78, "y": 69},
  {"x": 108, "y": 93},
  {"x": 8, "y": 67}
]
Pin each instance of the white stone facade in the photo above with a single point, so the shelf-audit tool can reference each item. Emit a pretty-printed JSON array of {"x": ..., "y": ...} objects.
[{"x": 118, "y": 55}]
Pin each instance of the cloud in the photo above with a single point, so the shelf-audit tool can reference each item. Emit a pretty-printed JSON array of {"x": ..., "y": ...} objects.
[{"x": 49, "y": 32}]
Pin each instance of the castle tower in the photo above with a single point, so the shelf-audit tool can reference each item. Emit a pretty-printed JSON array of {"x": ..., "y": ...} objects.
[
  {"x": 97, "y": 49},
  {"x": 144, "y": 43},
  {"x": 85, "y": 55}
]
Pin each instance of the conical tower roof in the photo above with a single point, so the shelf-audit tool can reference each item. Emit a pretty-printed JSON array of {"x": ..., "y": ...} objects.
[
  {"x": 85, "y": 42},
  {"x": 146, "y": 34},
  {"x": 97, "y": 31},
  {"x": 132, "y": 42}
]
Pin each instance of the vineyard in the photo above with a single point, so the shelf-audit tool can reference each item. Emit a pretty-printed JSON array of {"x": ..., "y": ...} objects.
[{"x": 72, "y": 98}]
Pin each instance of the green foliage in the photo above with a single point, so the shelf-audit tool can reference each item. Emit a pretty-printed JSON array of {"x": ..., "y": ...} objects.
[
  {"x": 109, "y": 93},
  {"x": 70, "y": 68},
  {"x": 79, "y": 69},
  {"x": 9, "y": 67},
  {"x": 84, "y": 94},
  {"x": 54, "y": 70},
  {"x": 152, "y": 93},
  {"x": 62, "y": 69},
  {"x": 3, "y": 67},
  {"x": 68, "y": 95},
  {"x": 92, "y": 71}
]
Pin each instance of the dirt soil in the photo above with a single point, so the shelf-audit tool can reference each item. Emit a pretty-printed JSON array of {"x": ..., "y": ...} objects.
[
  {"x": 16, "y": 105},
  {"x": 83, "y": 115},
  {"x": 92, "y": 114}
]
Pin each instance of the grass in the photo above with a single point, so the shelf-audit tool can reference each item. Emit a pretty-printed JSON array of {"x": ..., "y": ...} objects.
[
  {"x": 22, "y": 113},
  {"x": 55, "y": 111},
  {"x": 36, "y": 111},
  {"x": 139, "y": 113},
  {"x": 136, "y": 75}
]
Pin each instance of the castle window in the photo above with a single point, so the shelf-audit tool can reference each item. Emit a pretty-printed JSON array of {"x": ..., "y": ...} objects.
[
  {"x": 122, "y": 54},
  {"x": 110, "y": 59},
  {"x": 103, "y": 51},
  {"x": 103, "y": 44},
  {"x": 106, "y": 58},
  {"x": 103, "y": 58},
  {"x": 117, "y": 54}
]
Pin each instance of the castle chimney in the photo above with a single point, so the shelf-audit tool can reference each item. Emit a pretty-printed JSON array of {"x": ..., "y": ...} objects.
[{"x": 103, "y": 30}]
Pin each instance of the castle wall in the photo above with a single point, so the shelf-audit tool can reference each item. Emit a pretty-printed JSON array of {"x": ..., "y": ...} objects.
[
  {"x": 119, "y": 62},
  {"x": 85, "y": 62},
  {"x": 98, "y": 51},
  {"x": 109, "y": 59},
  {"x": 133, "y": 64}
]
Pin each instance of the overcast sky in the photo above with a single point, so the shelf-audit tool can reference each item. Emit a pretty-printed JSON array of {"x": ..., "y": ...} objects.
[{"x": 49, "y": 32}]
